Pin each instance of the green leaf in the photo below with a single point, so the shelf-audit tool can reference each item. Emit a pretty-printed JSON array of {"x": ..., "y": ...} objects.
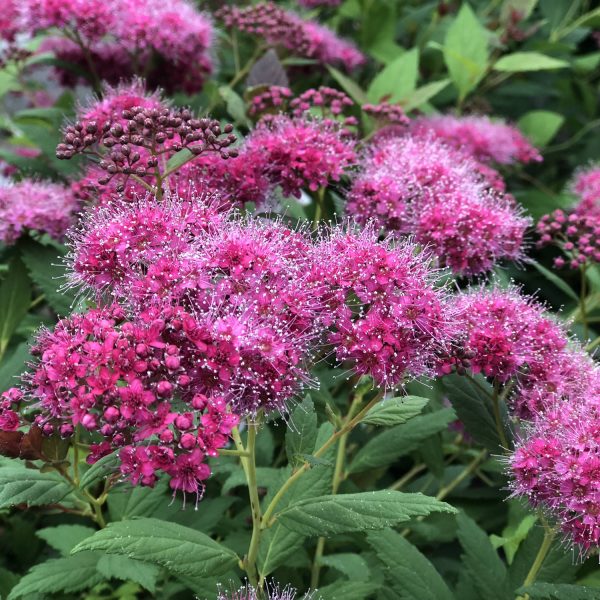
[
  {"x": 8, "y": 580},
  {"x": 397, "y": 80},
  {"x": 353, "y": 566},
  {"x": 394, "y": 411},
  {"x": 178, "y": 159},
  {"x": 129, "y": 569},
  {"x": 351, "y": 590},
  {"x": 520, "y": 522},
  {"x": 423, "y": 94},
  {"x": 65, "y": 537},
  {"x": 266, "y": 477},
  {"x": 330, "y": 515},
  {"x": 466, "y": 51},
  {"x": 47, "y": 270},
  {"x": 555, "y": 279},
  {"x": 559, "y": 591},
  {"x": 398, "y": 441},
  {"x": 13, "y": 365},
  {"x": 351, "y": 88},
  {"x": 413, "y": 577},
  {"x": 100, "y": 470},
  {"x": 178, "y": 549},
  {"x": 540, "y": 126},
  {"x": 528, "y": 61},
  {"x": 483, "y": 565},
  {"x": 301, "y": 433},
  {"x": 474, "y": 408},
  {"x": 15, "y": 296},
  {"x": 234, "y": 104},
  {"x": 59, "y": 575},
  {"x": 127, "y": 503},
  {"x": 19, "y": 485}
]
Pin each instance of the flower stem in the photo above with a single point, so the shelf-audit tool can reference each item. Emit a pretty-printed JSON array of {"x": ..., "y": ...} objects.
[
  {"x": 582, "y": 302},
  {"x": 498, "y": 417},
  {"x": 319, "y": 208},
  {"x": 539, "y": 559},
  {"x": 266, "y": 519}
]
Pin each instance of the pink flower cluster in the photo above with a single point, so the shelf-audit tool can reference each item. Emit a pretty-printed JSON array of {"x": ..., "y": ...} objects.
[
  {"x": 402, "y": 320},
  {"x": 387, "y": 114},
  {"x": 124, "y": 37},
  {"x": 38, "y": 206},
  {"x": 279, "y": 27},
  {"x": 480, "y": 137},
  {"x": 272, "y": 100},
  {"x": 556, "y": 464},
  {"x": 273, "y": 591},
  {"x": 133, "y": 382},
  {"x": 417, "y": 185},
  {"x": 302, "y": 153},
  {"x": 505, "y": 333},
  {"x": 587, "y": 186}
]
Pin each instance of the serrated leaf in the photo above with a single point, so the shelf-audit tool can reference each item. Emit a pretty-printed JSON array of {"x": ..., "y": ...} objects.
[
  {"x": 44, "y": 264},
  {"x": 398, "y": 441},
  {"x": 395, "y": 411},
  {"x": 397, "y": 80},
  {"x": 15, "y": 295},
  {"x": 559, "y": 591},
  {"x": 540, "y": 126},
  {"x": 486, "y": 571},
  {"x": 19, "y": 485},
  {"x": 126, "y": 503},
  {"x": 412, "y": 576},
  {"x": 528, "y": 61},
  {"x": 129, "y": 569},
  {"x": 65, "y": 537},
  {"x": 466, "y": 50},
  {"x": 474, "y": 408},
  {"x": 59, "y": 575},
  {"x": 423, "y": 94},
  {"x": 100, "y": 470},
  {"x": 178, "y": 549},
  {"x": 330, "y": 515},
  {"x": 351, "y": 590},
  {"x": 353, "y": 566},
  {"x": 13, "y": 365},
  {"x": 301, "y": 433}
]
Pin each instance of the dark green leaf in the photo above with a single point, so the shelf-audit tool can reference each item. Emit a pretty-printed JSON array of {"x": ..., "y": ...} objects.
[
  {"x": 555, "y": 279},
  {"x": 398, "y": 441},
  {"x": 178, "y": 549},
  {"x": 15, "y": 296},
  {"x": 129, "y": 569},
  {"x": 350, "y": 590},
  {"x": 412, "y": 576},
  {"x": 353, "y": 566},
  {"x": 485, "y": 569},
  {"x": 19, "y": 485},
  {"x": 60, "y": 575},
  {"x": 330, "y": 515},
  {"x": 100, "y": 470},
  {"x": 65, "y": 537},
  {"x": 13, "y": 365},
  {"x": 559, "y": 591}
]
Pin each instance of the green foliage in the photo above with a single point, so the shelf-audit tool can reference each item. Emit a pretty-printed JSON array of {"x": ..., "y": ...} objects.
[
  {"x": 19, "y": 485},
  {"x": 395, "y": 411},
  {"x": 15, "y": 295}
]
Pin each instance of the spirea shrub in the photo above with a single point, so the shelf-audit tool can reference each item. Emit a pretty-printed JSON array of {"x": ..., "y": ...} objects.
[{"x": 299, "y": 300}]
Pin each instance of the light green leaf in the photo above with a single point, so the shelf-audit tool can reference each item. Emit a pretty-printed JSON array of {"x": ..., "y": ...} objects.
[
  {"x": 353, "y": 566},
  {"x": 398, "y": 441},
  {"x": 128, "y": 569},
  {"x": 540, "y": 126},
  {"x": 330, "y": 515},
  {"x": 351, "y": 88},
  {"x": 178, "y": 549},
  {"x": 178, "y": 159},
  {"x": 394, "y": 411},
  {"x": 65, "y": 537},
  {"x": 423, "y": 94},
  {"x": 528, "y": 61},
  {"x": 15, "y": 295},
  {"x": 485, "y": 569},
  {"x": 19, "y": 485},
  {"x": 301, "y": 433},
  {"x": 234, "y": 104},
  {"x": 397, "y": 80},
  {"x": 412, "y": 576},
  {"x": 59, "y": 575},
  {"x": 466, "y": 51}
]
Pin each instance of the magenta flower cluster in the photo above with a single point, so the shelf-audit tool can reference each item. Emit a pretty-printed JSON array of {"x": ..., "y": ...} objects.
[
  {"x": 280, "y": 27},
  {"x": 35, "y": 206},
  {"x": 419, "y": 186}
]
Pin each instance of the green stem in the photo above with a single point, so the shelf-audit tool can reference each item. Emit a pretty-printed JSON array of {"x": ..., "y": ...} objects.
[
  {"x": 240, "y": 453},
  {"x": 408, "y": 476},
  {"x": 246, "y": 68},
  {"x": 539, "y": 559},
  {"x": 319, "y": 208},
  {"x": 250, "y": 560},
  {"x": 266, "y": 520},
  {"x": 498, "y": 417}
]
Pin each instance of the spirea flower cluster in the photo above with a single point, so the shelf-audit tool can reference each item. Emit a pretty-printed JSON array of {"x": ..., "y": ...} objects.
[
  {"x": 273, "y": 592},
  {"x": 167, "y": 40},
  {"x": 35, "y": 206},
  {"x": 556, "y": 464},
  {"x": 280, "y": 27},
  {"x": 417, "y": 185},
  {"x": 482, "y": 138}
]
